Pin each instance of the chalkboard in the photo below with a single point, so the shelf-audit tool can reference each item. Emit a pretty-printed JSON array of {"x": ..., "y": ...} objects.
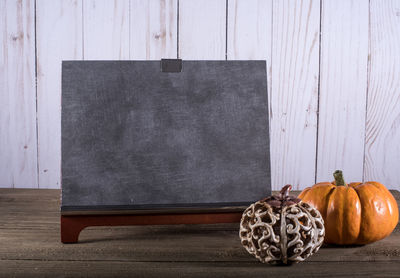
[{"x": 135, "y": 137}]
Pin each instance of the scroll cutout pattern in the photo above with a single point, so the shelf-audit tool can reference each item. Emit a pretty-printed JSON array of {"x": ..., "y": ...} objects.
[{"x": 271, "y": 240}]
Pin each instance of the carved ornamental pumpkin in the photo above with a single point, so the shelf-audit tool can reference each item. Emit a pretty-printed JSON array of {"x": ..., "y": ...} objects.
[
  {"x": 281, "y": 229},
  {"x": 355, "y": 213}
]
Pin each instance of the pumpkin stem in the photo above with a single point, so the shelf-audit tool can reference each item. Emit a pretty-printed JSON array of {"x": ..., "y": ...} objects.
[
  {"x": 285, "y": 191},
  {"x": 339, "y": 180}
]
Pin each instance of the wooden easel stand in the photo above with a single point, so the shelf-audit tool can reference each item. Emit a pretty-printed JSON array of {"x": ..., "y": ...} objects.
[{"x": 72, "y": 225}]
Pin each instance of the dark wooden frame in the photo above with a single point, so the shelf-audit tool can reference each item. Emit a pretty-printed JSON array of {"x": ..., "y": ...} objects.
[{"x": 72, "y": 225}]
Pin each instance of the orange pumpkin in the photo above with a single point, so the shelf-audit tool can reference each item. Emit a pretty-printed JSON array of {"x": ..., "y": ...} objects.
[{"x": 357, "y": 213}]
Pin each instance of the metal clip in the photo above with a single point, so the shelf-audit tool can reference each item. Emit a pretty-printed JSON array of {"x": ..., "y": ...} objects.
[{"x": 171, "y": 65}]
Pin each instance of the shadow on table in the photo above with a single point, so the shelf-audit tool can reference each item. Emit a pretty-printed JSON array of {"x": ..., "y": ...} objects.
[
  {"x": 173, "y": 232},
  {"x": 337, "y": 246}
]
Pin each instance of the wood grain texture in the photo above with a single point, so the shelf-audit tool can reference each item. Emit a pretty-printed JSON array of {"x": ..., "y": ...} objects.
[
  {"x": 202, "y": 29},
  {"x": 30, "y": 233},
  {"x": 343, "y": 88},
  {"x": 153, "y": 29},
  {"x": 249, "y": 30},
  {"x": 73, "y": 268},
  {"x": 18, "y": 137},
  {"x": 59, "y": 37},
  {"x": 106, "y": 29},
  {"x": 294, "y": 98},
  {"x": 382, "y": 148}
]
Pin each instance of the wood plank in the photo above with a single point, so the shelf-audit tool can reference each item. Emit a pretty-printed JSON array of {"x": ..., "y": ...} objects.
[
  {"x": 106, "y": 29},
  {"x": 59, "y": 37},
  {"x": 343, "y": 88},
  {"x": 202, "y": 29},
  {"x": 16, "y": 268},
  {"x": 153, "y": 29},
  {"x": 382, "y": 146},
  {"x": 249, "y": 30},
  {"x": 294, "y": 98},
  {"x": 29, "y": 227},
  {"x": 18, "y": 136},
  {"x": 183, "y": 243}
]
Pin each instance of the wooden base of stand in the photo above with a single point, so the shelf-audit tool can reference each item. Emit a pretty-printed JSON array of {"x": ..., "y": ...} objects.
[{"x": 72, "y": 225}]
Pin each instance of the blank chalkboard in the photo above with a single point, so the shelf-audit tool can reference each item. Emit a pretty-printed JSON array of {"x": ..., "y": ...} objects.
[{"x": 135, "y": 137}]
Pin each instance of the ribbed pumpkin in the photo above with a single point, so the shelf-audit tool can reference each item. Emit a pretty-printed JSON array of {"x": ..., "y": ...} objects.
[{"x": 355, "y": 213}]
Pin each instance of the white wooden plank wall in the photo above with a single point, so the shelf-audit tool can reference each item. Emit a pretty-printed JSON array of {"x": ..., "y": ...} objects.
[
  {"x": 105, "y": 29},
  {"x": 202, "y": 29},
  {"x": 153, "y": 29},
  {"x": 294, "y": 96},
  {"x": 18, "y": 140},
  {"x": 58, "y": 37},
  {"x": 343, "y": 88},
  {"x": 382, "y": 144},
  {"x": 333, "y": 75}
]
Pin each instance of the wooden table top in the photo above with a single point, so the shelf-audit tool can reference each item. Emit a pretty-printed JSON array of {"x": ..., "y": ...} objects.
[{"x": 30, "y": 246}]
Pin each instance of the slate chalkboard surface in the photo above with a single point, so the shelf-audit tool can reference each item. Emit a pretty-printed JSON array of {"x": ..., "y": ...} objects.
[{"x": 137, "y": 138}]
